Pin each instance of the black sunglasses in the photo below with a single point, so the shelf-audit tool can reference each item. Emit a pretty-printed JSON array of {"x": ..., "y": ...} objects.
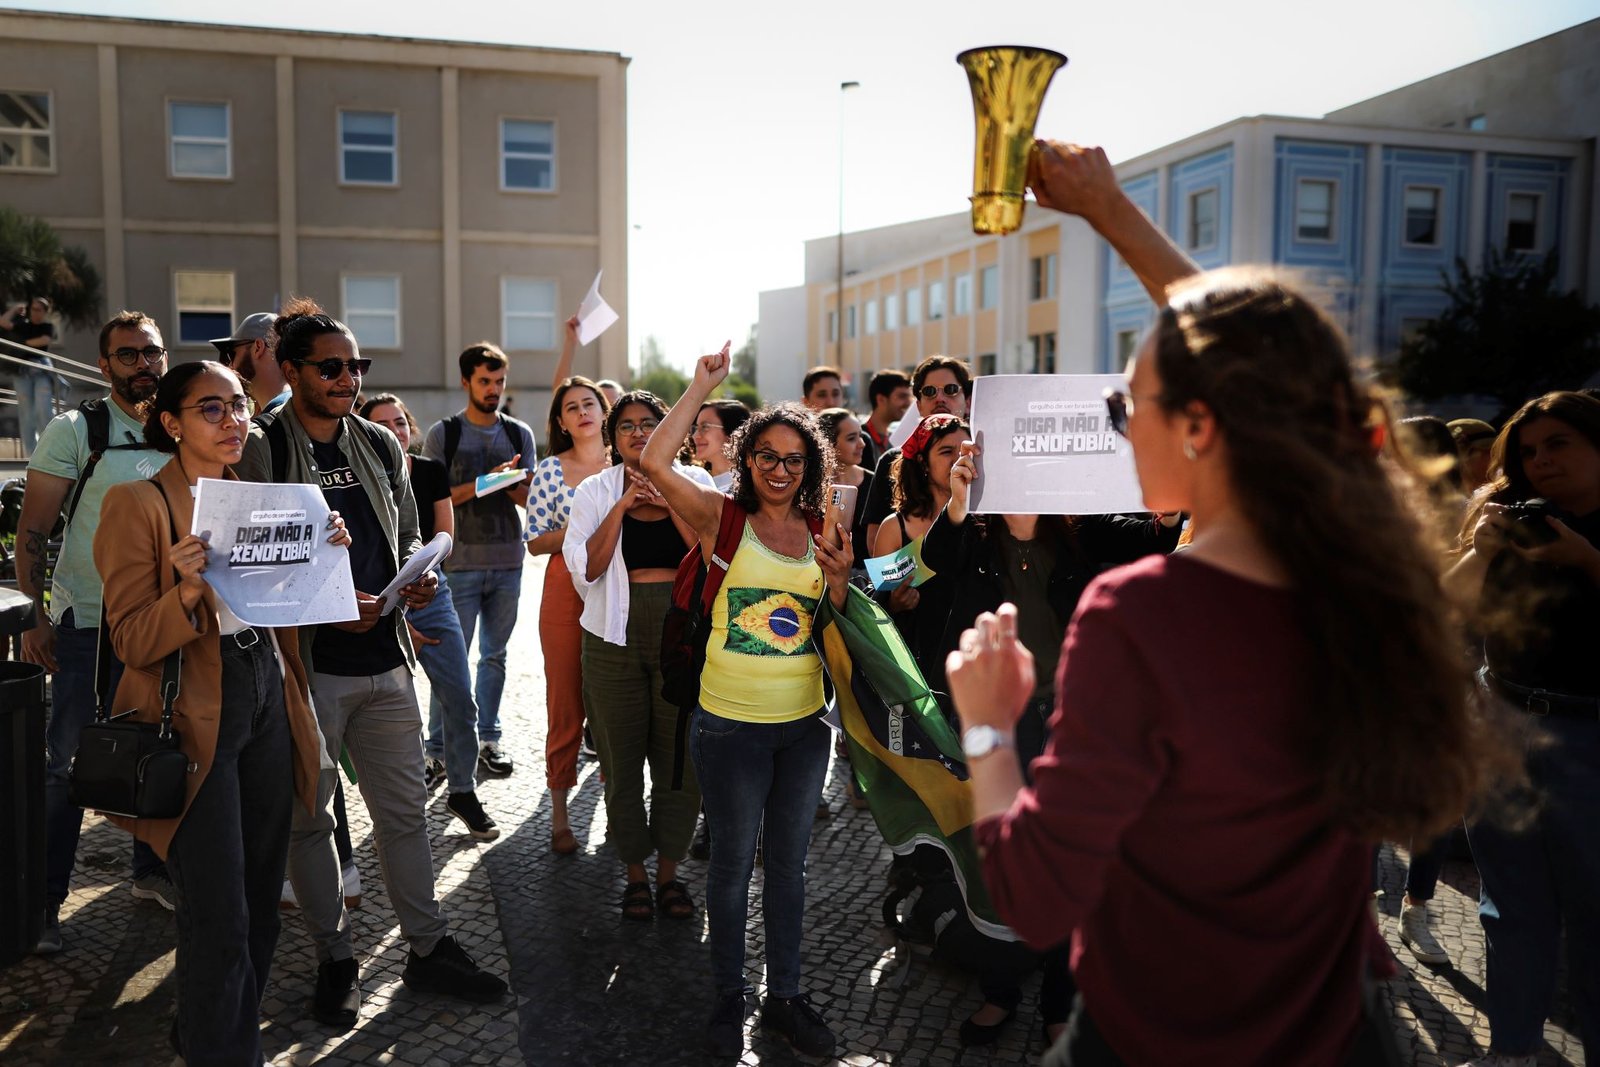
[
  {"x": 330, "y": 369},
  {"x": 928, "y": 392},
  {"x": 1117, "y": 410},
  {"x": 129, "y": 357},
  {"x": 228, "y": 352}
]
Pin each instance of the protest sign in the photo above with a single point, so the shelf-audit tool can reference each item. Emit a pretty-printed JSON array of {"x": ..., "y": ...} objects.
[
  {"x": 269, "y": 559},
  {"x": 900, "y": 566},
  {"x": 1048, "y": 447}
]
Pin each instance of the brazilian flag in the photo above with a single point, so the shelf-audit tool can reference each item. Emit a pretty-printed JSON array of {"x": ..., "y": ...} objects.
[{"x": 905, "y": 756}]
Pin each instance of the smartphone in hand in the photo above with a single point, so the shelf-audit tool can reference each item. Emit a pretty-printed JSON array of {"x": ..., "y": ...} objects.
[{"x": 841, "y": 511}]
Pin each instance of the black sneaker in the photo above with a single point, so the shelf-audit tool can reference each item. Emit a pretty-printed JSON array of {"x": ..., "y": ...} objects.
[
  {"x": 450, "y": 971},
  {"x": 798, "y": 1023},
  {"x": 432, "y": 773},
  {"x": 725, "y": 1032},
  {"x": 337, "y": 1000},
  {"x": 465, "y": 807},
  {"x": 50, "y": 937},
  {"x": 586, "y": 746},
  {"x": 493, "y": 760}
]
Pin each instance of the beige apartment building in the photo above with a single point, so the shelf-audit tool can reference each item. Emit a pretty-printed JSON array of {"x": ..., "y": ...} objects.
[{"x": 429, "y": 193}]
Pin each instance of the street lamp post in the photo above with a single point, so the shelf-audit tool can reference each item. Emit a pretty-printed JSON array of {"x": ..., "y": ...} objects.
[{"x": 838, "y": 276}]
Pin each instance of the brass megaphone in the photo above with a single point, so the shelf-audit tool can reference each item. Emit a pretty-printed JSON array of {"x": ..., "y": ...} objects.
[{"x": 1008, "y": 86}]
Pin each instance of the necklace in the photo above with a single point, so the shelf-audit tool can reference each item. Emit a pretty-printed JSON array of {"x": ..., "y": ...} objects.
[{"x": 1024, "y": 555}]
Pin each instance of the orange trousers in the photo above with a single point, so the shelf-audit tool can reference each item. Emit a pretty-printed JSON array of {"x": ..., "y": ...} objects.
[{"x": 562, "y": 638}]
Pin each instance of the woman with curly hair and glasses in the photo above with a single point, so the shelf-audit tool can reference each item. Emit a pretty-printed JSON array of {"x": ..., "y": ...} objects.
[
  {"x": 758, "y": 741},
  {"x": 622, "y": 548},
  {"x": 1236, "y": 725}
]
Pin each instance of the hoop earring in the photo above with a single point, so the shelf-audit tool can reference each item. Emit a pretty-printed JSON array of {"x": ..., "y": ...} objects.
[{"x": 1188, "y": 451}]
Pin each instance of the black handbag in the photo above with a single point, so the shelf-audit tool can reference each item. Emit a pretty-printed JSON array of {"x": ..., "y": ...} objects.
[{"x": 133, "y": 769}]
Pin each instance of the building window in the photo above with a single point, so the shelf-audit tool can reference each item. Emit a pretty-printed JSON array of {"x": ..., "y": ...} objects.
[
  {"x": 891, "y": 311},
  {"x": 527, "y": 314},
  {"x": 1127, "y": 345},
  {"x": 988, "y": 287},
  {"x": 850, "y": 321},
  {"x": 27, "y": 139},
  {"x": 201, "y": 140},
  {"x": 833, "y": 326},
  {"x": 986, "y": 364},
  {"x": 872, "y": 317},
  {"x": 963, "y": 295},
  {"x": 1422, "y": 215},
  {"x": 1043, "y": 346},
  {"x": 1522, "y": 222},
  {"x": 935, "y": 301},
  {"x": 1477, "y": 123},
  {"x": 1042, "y": 277},
  {"x": 913, "y": 306},
  {"x": 1203, "y": 219},
  {"x": 527, "y": 155},
  {"x": 372, "y": 309},
  {"x": 369, "y": 148},
  {"x": 1313, "y": 209},
  {"x": 205, "y": 305}
]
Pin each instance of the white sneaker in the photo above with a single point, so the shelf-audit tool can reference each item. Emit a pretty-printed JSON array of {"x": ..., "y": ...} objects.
[
  {"x": 157, "y": 887},
  {"x": 352, "y": 887},
  {"x": 1415, "y": 934},
  {"x": 1500, "y": 1059}
]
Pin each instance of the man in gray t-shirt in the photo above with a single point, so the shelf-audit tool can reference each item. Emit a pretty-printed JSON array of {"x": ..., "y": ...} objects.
[{"x": 485, "y": 569}]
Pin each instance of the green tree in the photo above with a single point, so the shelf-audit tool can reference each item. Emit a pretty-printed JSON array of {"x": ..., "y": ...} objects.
[
  {"x": 33, "y": 262},
  {"x": 1509, "y": 332},
  {"x": 741, "y": 381},
  {"x": 657, "y": 375}
]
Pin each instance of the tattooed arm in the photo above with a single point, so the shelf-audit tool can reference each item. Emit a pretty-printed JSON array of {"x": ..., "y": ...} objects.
[{"x": 41, "y": 506}]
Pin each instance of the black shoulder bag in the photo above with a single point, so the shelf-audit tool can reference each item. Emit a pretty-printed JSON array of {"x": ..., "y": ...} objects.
[{"x": 133, "y": 769}]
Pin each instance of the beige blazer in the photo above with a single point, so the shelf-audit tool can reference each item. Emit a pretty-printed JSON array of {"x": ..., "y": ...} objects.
[{"x": 133, "y": 553}]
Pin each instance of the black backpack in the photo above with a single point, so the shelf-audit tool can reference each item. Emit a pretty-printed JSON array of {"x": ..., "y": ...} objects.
[
  {"x": 278, "y": 441},
  {"x": 452, "y": 437},
  {"x": 97, "y": 421}
]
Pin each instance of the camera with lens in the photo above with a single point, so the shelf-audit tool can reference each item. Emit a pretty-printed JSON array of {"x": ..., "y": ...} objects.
[{"x": 1528, "y": 526}]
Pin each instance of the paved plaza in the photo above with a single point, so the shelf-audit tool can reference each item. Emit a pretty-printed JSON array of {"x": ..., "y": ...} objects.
[{"x": 587, "y": 987}]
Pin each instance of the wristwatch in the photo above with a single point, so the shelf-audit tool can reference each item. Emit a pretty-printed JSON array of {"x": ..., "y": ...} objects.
[{"x": 982, "y": 740}]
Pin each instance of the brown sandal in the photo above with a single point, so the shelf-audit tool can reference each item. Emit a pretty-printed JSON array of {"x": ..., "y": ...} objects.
[
  {"x": 637, "y": 903},
  {"x": 674, "y": 901}
]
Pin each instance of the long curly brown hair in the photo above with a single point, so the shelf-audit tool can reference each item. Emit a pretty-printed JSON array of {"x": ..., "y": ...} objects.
[
  {"x": 1401, "y": 749},
  {"x": 811, "y": 497}
]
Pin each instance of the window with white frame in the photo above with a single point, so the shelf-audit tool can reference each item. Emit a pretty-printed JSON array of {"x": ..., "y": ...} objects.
[
  {"x": 935, "y": 301},
  {"x": 527, "y": 314},
  {"x": 872, "y": 317},
  {"x": 527, "y": 155},
  {"x": 369, "y": 148},
  {"x": 986, "y": 364},
  {"x": 27, "y": 137},
  {"x": 891, "y": 311},
  {"x": 372, "y": 309},
  {"x": 1313, "y": 209},
  {"x": 204, "y": 304},
  {"x": 201, "y": 139},
  {"x": 1522, "y": 222},
  {"x": 1044, "y": 352},
  {"x": 1127, "y": 345},
  {"x": 1422, "y": 214},
  {"x": 913, "y": 306},
  {"x": 1202, "y": 219},
  {"x": 988, "y": 287},
  {"x": 1042, "y": 277},
  {"x": 963, "y": 294},
  {"x": 850, "y": 321}
]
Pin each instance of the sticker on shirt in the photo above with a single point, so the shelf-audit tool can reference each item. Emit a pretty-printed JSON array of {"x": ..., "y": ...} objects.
[{"x": 769, "y": 622}]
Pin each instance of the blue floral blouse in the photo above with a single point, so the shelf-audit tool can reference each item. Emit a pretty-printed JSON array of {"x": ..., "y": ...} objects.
[{"x": 549, "y": 498}]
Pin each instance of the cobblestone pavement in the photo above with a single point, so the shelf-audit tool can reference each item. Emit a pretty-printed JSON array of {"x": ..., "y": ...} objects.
[{"x": 589, "y": 988}]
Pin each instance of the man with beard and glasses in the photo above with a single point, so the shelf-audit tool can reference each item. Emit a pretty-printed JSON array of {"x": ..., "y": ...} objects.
[
  {"x": 360, "y": 670},
  {"x": 250, "y": 352},
  {"x": 81, "y": 454},
  {"x": 485, "y": 570}
]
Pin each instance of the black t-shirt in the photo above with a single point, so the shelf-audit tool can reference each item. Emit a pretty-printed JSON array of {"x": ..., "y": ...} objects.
[
  {"x": 24, "y": 331},
  {"x": 336, "y": 651},
  {"x": 1542, "y": 621},
  {"x": 429, "y": 484},
  {"x": 880, "y": 494}
]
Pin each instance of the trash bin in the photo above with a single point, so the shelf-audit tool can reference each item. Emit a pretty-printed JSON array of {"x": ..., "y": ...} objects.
[{"x": 22, "y": 761}]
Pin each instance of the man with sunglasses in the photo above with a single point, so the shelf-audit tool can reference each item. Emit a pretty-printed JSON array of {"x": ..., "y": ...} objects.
[
  {"x": 250, "y": 352},
  {"x": 72, "y": 470},
  {"x": 942, "y": 385}
]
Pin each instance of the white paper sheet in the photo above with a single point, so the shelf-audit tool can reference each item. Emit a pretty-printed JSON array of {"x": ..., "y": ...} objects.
[
  {"x": 425, "y": 559},
  {"x": 595, "y": 316},
  {"x": 901, "y": 431}
]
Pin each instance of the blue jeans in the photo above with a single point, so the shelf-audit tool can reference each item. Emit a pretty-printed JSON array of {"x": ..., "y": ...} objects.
[
  {"x": 35, "y": 405},
  {"x": 71, "y": 709},
  {"x": 227, "y": 860},
  {"x": 452, "y": 711},
  {"x": 493, "y": 597},
  {"x": 1538, "y": 880},
  {"x": 755, "y": 774}
]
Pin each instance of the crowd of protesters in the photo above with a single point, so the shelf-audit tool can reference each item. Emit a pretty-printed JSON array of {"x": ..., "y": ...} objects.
[{"x": 1187, "y": 731}]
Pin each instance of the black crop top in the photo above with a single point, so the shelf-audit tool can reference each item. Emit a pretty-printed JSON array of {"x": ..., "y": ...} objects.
[{"x": 651, "y": 544}]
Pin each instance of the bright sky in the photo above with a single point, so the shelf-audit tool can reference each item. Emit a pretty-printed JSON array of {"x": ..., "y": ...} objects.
[{"x": 734, "y": 108}]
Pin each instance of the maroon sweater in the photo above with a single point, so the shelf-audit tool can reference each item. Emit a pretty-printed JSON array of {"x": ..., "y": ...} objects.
[{"x": 1216, "y": 913}]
